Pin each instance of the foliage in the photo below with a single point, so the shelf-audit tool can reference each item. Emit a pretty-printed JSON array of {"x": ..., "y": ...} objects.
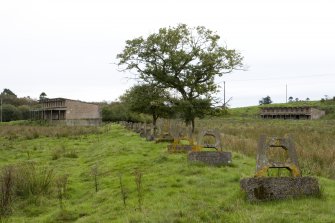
[
  {"x": 265, "y": 101},
  {"x": 7, "y": 190},
  {"x": 43, "y": 95},
  {"x": 14, "y": 108},
  {"x": 181, "y": 58},
  {"x": 32, "y": 180},
  {"x": 10, "y": 113},
  {"x": 118, "y": 111},
  {"x": 8, "y": 92},
  {"x": 148, "y": 99},
  {"x": 25, "y": 112},
  {"x": 189, "y": 109}
]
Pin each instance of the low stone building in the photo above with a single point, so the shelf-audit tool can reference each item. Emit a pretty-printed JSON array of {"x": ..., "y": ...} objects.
[
  {"x": 68, "y": 112},
  {"x": 303, "y": 112}
]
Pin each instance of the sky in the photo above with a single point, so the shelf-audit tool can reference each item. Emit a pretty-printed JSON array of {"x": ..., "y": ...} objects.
[{"x": 68, "y": 48}]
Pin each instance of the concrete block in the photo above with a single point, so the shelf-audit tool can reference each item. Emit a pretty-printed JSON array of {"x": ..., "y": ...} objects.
[{"x": 275, "y": 188}]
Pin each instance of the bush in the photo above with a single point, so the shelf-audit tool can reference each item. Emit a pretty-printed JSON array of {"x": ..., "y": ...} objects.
[
  {"x": 25, "y": 112},
  {"x": 32, "y": 180},
  {"x": 120, "y": 112},
  {"x": 6, "y": 193},
  {"x": 10, "y": 113}
]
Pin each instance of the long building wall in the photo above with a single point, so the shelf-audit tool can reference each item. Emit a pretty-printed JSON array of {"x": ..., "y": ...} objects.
[
  {"x": 81, "y": 110},
  {"x": 291, "y": 113}
]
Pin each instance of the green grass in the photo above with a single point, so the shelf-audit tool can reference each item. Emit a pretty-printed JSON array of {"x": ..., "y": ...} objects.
[{"x": 173, "y": 189}]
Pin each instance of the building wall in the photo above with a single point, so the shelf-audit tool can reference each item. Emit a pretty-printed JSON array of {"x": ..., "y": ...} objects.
[
  {"x": 81, "y": 110},
  {"x": 316, "y": 113},
  {"x": 291, "y": 113}
]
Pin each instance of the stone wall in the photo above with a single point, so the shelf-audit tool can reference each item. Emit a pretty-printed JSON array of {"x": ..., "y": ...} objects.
[{"x": 214, "y": 158}]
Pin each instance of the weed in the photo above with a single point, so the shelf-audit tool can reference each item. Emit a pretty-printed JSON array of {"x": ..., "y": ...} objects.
[
  {"x": 32, "y": 180},
  {"x": 123, "y": 190},
  {"x": 71, "y": 154},
  {"x": 61, "y": 184},
  {"x": 95, "y": 174},
  {"x": 139, "y": 187},
  {"x": 6, "y": 196}
]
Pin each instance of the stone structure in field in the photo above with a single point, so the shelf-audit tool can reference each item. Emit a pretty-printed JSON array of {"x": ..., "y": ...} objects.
[
  {"x": 261, "y": 187},
  {"x": 304, "y": 112},
  {"x": 164, "y": 137},
  {"x": 215, "y": 158},
  {"x": 274, "y": 188},
  {"x": 182, "y": 139},
  {"x": 182, "y": 145},
  {"x": 215, "y": 134},
  {"x": 67, "y": 111},
  {"x": 264, "y": 162}
]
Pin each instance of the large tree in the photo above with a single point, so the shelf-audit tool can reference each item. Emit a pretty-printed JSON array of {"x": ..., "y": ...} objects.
[
  {"x": 181, "y": 58},
  {"x": 148, "y": 99}
]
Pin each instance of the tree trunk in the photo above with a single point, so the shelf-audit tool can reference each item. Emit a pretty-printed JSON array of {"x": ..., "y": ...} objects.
[
  {"x": 193, "y": 123},
  {"x": 154, "y": 121}
]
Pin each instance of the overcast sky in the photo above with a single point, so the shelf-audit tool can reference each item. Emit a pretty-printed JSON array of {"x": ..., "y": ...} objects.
[{"x": 67, "y": 48}]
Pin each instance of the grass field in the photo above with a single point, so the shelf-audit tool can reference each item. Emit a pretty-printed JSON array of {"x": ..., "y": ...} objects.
[
  {"x": 73, "y": 175},
  {"x": 314, "y": 139}
]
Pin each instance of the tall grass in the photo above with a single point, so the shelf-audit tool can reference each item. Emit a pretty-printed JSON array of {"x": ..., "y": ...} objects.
[
  {"x": 13, "y": 132},
  {"x": 314, "y": 140}
]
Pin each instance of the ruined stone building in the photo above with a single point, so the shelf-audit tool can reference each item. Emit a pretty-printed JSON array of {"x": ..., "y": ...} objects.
[
  {"x": 304, "y": 112},
  {"x": 68, "y": 112}
]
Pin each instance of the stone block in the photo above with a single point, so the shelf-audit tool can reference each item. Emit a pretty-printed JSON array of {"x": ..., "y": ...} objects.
[
  {"x": 214, "y": 158},
  {"x": 276, "y": 188}
]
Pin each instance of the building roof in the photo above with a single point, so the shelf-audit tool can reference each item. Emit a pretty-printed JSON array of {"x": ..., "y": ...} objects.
[
  {"x": 62, "y": 99},
  {"x": 274, "y": 107}
]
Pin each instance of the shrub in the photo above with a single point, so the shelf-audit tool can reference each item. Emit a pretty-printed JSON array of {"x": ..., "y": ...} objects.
[
  {"x": 6, "y": 193},
  {"x": 32, "y": 180},
  {"x": 10, "y": 113}
]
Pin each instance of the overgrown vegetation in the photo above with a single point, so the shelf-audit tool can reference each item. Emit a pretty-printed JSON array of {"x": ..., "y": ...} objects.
[
  {"x": 314, "y": 139},
  {"x": 171, "y": 189},
  {"x": 15, "y": 108}
]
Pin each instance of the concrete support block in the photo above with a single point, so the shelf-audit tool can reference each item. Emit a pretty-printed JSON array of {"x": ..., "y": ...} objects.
[{"x": 275, "y": 188}]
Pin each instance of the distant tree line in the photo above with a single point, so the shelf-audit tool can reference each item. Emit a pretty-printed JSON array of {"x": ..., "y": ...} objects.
[{"x": 15, "y": 108}]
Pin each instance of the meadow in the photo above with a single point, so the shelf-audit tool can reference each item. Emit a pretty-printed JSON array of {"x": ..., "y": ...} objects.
[
  {"x": 314, "y": 139},
  {"x": 110, "y": 174}
]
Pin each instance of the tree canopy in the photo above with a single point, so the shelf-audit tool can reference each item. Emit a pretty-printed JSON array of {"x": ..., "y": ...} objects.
[
  {"x": 148, "y": 99},
  {"x": 265, "y": 101},
  {"x": 8, "y": 92},
  {"x": 181, "y": 58}
]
